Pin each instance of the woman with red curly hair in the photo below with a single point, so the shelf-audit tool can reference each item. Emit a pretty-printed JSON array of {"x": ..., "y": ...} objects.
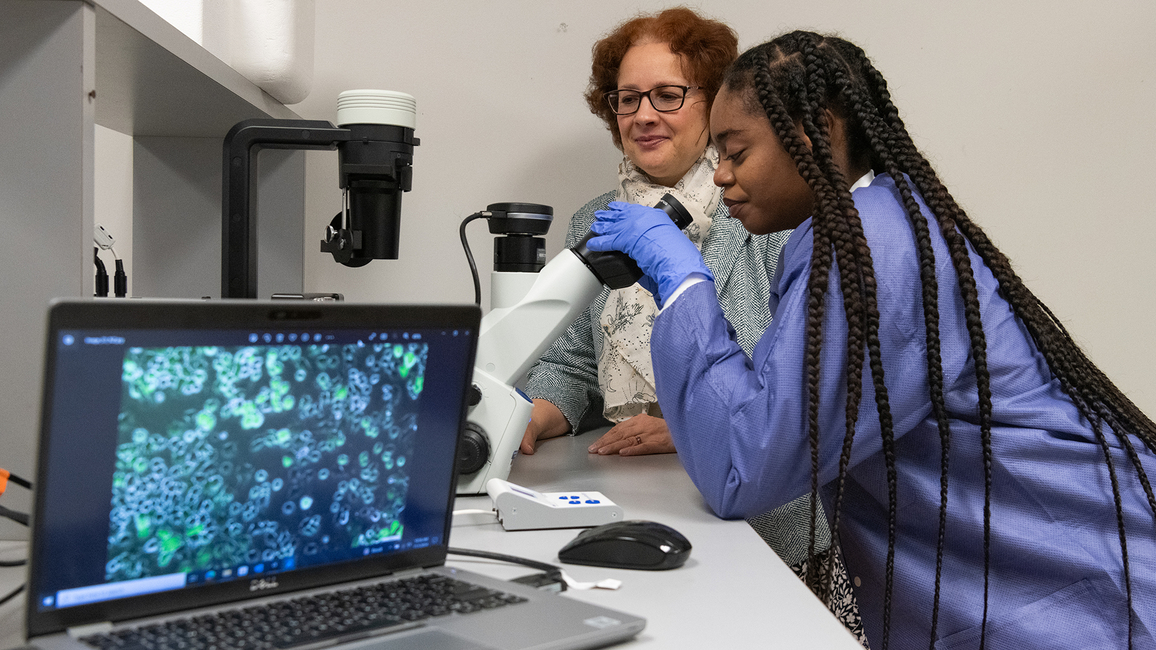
[{"x": 652, "y": 82}]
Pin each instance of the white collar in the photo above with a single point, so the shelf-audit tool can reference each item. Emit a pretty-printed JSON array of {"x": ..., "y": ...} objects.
[{"x": 864, "y": 180}]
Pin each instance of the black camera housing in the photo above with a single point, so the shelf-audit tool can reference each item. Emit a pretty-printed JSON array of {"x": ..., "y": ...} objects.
[{"x": 520, "y": 249}]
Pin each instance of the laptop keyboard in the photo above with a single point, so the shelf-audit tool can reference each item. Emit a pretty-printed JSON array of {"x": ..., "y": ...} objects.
[{"x": 313, "y": 619}]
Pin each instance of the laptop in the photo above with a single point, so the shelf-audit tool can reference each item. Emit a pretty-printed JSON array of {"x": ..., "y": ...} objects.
[{"x": 209, "y": 470}]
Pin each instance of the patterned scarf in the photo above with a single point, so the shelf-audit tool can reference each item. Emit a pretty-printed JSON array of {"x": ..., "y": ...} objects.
[{"x": 625, "y": 373}]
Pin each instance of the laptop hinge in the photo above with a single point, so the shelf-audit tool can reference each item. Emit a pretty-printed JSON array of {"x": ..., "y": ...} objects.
[{"x": 81, "y": 631}]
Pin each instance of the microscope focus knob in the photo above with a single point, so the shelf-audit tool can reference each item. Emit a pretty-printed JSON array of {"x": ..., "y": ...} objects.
[
  {"x": 474, "y": 395},
  {"x": 342, "y": 242},
  {"x": 473, "y": 449}
]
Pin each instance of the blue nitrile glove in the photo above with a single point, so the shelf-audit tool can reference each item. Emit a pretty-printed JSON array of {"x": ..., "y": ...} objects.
[{"x": 648, "y": 235}]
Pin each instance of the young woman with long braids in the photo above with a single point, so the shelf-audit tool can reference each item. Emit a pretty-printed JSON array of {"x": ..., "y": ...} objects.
[
  {"x": 987, "y": 483},
  {"x": 653, "y": 79}
]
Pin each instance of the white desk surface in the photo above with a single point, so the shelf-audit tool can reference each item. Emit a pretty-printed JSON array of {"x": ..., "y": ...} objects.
[{"x": 733, "y": 592}]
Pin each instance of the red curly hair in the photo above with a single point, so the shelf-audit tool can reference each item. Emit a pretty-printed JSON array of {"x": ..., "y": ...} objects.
[{"x": 705, "y": 46}]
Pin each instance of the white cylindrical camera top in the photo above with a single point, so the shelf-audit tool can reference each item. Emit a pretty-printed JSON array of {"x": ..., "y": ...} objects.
[{"x": 376, "y": 107}]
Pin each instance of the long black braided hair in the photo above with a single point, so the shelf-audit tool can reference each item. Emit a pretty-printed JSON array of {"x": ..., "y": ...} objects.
[{"x": 798, "y": 79}]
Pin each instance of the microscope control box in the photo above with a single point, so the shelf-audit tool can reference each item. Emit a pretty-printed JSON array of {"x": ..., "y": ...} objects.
[{"x": 520, "y": 508}]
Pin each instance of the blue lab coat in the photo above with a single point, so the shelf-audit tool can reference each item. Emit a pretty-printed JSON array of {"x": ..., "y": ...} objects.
[{"x": 740, "y": 430}]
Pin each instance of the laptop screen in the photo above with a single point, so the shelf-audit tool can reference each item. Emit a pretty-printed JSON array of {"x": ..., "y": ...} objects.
[{"x": 228, "y": 448}]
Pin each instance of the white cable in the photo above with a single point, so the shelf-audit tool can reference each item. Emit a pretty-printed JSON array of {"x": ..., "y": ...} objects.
[
  {"x": 102, "y": 238},
  {"x": 607, "y": 583},
  {"x": 474, "y": 517}
]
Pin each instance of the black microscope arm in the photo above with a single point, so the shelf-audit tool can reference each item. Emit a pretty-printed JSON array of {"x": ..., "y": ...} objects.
[{"x": 238, "y": 216}]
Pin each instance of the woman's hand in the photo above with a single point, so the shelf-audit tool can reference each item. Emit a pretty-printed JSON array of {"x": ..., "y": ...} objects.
[
  {"x": 546, "y": 421},
  {"x": 640, "y": 435}
]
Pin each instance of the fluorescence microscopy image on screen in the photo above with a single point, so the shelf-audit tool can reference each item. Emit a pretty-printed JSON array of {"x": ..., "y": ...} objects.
[{"x": 232, "y": 456}]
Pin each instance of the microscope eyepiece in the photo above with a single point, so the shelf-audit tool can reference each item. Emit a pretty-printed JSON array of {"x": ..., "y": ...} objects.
[
  {"x": 675, "y": 210},
  {"x": 615, "y": 269}
]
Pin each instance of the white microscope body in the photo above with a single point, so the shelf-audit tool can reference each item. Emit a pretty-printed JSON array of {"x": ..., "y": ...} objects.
[{"x": 528, "y": 312}]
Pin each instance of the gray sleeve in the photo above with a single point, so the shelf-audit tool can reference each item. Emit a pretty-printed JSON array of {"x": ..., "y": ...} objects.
[{"x": 567, "y": 373}]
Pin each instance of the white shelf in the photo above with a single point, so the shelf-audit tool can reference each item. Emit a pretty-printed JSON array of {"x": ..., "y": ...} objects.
[
  {"x": 152, "y": 80},
  {"x": 65, "y": 66}
]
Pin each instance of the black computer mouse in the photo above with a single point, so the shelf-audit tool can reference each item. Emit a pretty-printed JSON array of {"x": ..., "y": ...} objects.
[{"x": 632, "y": 544}]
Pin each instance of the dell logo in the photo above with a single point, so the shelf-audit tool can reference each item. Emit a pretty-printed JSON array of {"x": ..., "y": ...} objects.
[{"x": 261, "y": 584}]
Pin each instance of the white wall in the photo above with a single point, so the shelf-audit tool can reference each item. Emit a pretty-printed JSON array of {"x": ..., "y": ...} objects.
[
  {"x": 112, "y": 201},
  {"x": 1037, "y": 115}
]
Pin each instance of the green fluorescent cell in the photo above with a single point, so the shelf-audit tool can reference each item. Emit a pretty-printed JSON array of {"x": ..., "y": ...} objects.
[
  {"x": 251, "y": 418},
  {"x": 279, "y": 386},
  {"x": 272, "y": 365},
  {"x": 206, "y": 420},
  {"x": 169, "y": 543},
  {"x": 143, "y": 525}
]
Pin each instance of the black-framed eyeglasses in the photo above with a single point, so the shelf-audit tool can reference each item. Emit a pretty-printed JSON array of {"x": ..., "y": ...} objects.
[{"x": 664, "y": 99}]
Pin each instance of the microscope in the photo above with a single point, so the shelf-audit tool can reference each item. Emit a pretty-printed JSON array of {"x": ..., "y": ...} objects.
[
  {"x": 531, "y": 304},
  {"x": 374, "y": 142},
  {"x": 531, "y": 301}
]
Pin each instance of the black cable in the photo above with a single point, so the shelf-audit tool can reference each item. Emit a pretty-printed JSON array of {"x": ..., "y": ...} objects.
[
  {"x": 553, "y": 572},
  {"x": 512, "y": 559},
  {"x": 101, "y": 289},
  {"x": 120, "y": 280},
  {"x": 12, "y": 594},
  {"x": 470, "y": 256},
  {"x": 18, "y": 517},
  {"x": 12, "y": 563},
  {"x": 22, "y": 482}
]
